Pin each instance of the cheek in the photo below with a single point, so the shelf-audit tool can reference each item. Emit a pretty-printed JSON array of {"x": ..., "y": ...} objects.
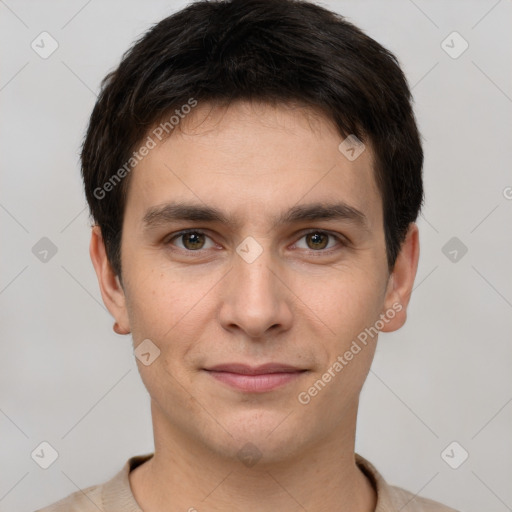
[
  {"x": 349, "y": 300},
  {"x": 151, "y": 301},
  {"x": 350, "y": 308},
  {"x": 168, "y": 304}
]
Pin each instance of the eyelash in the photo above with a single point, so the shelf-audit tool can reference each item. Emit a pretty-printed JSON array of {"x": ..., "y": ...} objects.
[{"x": 341, "y": 240}]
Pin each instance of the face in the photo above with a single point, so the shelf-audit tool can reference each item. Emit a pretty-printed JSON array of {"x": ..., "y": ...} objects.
[{"x": 263, "y": 276}]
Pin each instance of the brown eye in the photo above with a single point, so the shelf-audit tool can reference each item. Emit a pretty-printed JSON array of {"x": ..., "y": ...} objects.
[
  {"x": 192, "y": 240},
  {"x": 317, "y": 240}
]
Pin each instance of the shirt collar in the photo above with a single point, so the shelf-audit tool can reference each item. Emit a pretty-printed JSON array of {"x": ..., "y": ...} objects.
[{"x": 117, "y": 493}]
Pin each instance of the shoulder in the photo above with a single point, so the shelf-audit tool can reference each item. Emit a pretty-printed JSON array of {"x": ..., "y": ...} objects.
[
  {"x": 111, "y": 496},
  {"x": 406, "y": 501},
  {"x": 391, "y": 498},
  {"x": 86, "y": 500}
]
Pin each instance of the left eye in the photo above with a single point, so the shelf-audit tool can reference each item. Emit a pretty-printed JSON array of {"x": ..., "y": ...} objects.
[{"x": 318, "y": 240}]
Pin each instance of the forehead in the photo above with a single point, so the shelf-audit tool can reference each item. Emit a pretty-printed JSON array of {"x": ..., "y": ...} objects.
[{"x": 253, "y": 161}]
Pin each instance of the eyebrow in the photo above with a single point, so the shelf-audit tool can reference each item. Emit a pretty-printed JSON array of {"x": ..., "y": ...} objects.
[{"x": 160, "y": 215}]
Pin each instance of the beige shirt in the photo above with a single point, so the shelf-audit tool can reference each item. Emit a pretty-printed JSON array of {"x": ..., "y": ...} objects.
[{"x": 116, "y": 494}]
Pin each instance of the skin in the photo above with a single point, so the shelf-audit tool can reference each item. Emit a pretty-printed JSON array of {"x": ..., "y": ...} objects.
[{"x": 298, "y": 303}]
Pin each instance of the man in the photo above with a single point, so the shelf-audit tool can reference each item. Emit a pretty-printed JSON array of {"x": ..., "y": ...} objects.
[{"x": 253, "y": 169}]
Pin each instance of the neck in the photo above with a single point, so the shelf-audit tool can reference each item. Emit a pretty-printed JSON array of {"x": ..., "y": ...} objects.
[{"x": 183, "y": 475}]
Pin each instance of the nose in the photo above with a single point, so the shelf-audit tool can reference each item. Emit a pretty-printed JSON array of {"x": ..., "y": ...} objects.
[{"x": 255, "y": 297}]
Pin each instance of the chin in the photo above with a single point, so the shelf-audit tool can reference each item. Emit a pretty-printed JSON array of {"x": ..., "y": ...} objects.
[{"x": 270, "y": 436}]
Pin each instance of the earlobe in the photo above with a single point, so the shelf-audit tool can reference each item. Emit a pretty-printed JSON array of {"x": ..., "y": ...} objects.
[
  {"x": 119, "y": 330},
  {"x": 401, "y": 281},
  {"x": 111, "y": 289}
]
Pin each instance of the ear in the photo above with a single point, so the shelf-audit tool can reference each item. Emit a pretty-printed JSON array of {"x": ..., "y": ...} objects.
[
  {"x": 401, "y": 281},
  {"x": 111, "y": 289}
]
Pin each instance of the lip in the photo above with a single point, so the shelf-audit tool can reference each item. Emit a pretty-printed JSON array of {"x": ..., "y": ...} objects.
[
  {"x": 263, "y": 369},
  {"x": 255, "y": 379}
]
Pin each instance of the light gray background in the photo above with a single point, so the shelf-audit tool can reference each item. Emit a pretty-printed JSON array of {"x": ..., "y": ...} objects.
[{"x": 67, "y": 379}]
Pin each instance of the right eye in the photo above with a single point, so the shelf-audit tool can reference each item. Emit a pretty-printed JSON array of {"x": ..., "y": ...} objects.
[{"x": 193, "y": 240}]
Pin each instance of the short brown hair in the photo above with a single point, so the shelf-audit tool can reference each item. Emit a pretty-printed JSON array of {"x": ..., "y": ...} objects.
[{"x": 270, "y": 50}]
